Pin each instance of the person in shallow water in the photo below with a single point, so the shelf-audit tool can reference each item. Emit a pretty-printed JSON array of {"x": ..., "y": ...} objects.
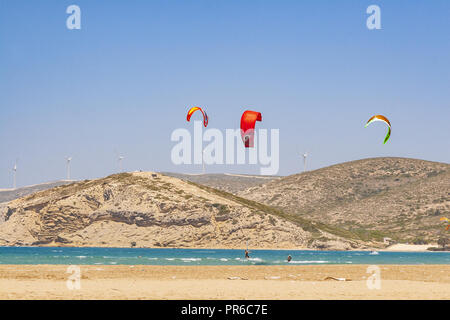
[
  {"x": 289, "y": 258},
  {"x": 247, "y": 256}
]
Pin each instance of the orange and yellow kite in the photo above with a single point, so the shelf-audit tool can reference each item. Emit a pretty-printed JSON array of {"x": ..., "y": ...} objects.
[{"x": 383, "y": 119}]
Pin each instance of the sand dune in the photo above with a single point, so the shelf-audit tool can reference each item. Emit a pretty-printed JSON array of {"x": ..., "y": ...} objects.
[{"x": 409, "y": 247}]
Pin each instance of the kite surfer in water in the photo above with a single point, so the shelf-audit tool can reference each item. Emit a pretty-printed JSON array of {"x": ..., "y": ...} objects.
[
  {"x": 247, "y": 256},
  {"x": 289, "y": 258}
]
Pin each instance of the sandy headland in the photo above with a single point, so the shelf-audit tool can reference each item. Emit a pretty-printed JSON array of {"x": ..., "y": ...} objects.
[{"x": 224, "y": 282}]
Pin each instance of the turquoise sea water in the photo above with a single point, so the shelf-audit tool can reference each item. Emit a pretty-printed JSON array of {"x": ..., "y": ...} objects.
[{"x": 186, "y": 257}]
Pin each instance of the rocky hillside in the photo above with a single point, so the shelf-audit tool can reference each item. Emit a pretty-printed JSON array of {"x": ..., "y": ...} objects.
[
  {"x": 371, "y": 198},
  {"x": 153, "y": 210}
]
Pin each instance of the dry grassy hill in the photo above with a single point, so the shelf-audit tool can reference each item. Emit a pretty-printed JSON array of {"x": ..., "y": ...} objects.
[
  {"x": 232, "y": 183},
  {"x": 153, "y": 210},
  {"x": 11, "y": 194},
  {"x": 371, "y": 198}
]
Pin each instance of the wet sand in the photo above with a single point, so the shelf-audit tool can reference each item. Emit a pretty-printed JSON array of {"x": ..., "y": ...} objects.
[{"x": 224, "y": 282}]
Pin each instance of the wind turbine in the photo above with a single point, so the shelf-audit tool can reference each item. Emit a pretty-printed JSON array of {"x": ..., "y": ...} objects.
[
  {"x": 14, "y": 175},
  {"x": 68, "y": 159},
  {"x": 305, "y": 155},
  {"x": 120, "y": 159}
]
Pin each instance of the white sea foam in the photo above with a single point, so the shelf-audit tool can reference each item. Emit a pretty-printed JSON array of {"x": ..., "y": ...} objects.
[
  {"x": 255, "y": 259},
  {"x": 305, "y": 262},
  {"x": 190, "y": 259},
  {"x": 249, "y": 259}
]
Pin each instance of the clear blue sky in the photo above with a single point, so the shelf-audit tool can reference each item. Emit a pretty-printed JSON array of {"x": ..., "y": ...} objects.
[{"x": 125, "y": 80}]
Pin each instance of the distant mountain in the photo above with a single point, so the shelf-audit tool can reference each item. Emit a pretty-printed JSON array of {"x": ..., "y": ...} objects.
[
  {"x": 232, "y": 183},
  {"x": 371, "y": 198},
  {"x": 153, "y": 210},
  {"x": 11, "y": 194}
]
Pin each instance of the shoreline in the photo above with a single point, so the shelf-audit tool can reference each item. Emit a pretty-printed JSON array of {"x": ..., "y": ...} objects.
[
  {"x": 393, "y": 248},
  {"x": 224, "y": 282}
]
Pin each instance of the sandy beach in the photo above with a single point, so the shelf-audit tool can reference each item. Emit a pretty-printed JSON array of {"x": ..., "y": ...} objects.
[
  {"x": 401, "y": 247},
  {"x": 224, "y": 282}
]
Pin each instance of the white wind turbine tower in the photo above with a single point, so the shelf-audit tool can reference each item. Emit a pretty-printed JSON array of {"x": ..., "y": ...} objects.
[
  {"x": 14, "y": 175},
  {"x": 120, "y": 159},
  {"x": 305, "y": 155},
  {"x": 68, "y": 160}
]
